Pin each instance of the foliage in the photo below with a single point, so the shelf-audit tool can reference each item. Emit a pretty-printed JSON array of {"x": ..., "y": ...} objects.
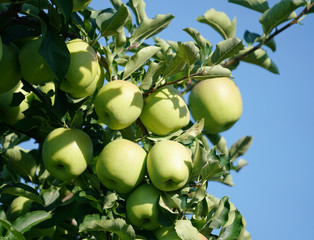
[{"x": 83, "y": 208}]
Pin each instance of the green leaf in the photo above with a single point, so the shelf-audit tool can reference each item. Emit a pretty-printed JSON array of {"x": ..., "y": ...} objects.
[
  {"x": 251, "y": 38},
  {"x": 220, "y": 22},
  {"x": 54, "y": 50},
  {"x": 118, "y": 226},
  {"x": 240, "y": 147},
  {"x": 235, "y": 225},
  {"x": 1, "y": 48},
  {"x": 226, "y": 49},
  {"x": 186, "y": 230},
  {"x": 11, "y": 231},
  {"x": 189, "y": 52},
  {"x": 112, "y": 24},
  {"x": 212, "y": 72},
  {"x": 192, "y": 132},
  {"x": 279, "y": 13},
  {"x": 175, "y": 65},
  {"x": 20, "y": 189},
  {"x": 259, "y": 57},
  {"x": 257, "y": 5},
  {"x": 150, "y": 27},
  {"x": 150, "y": 76},
  {"x": 139, "y": 59},
  {"x": 202, "y": 43},
  {"x": 221, "y": 215},
  {"x": 24, "y": 223},
  {"x": 138, "y": 8},
  {"x": 66, "y": 6},
  {"x": 210, "y": 169}
]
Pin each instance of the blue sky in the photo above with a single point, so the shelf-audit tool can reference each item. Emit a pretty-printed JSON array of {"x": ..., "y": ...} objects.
[{"x": 275, "y": 191}]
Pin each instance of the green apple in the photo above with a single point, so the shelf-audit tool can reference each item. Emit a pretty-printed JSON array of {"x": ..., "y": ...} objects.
[
  {"x": 83, "y": 67},
  {"x": 165, "y": 111},
  {"x": 97, "y": 83},
  {"x": 9, "y": 68},
  {"x": 67, "y": 152},
  {"x": 218, "y": 101},
  {"x": 142, "y": 207},
  {"x": 80, "y": 4},
  {"x": 34, "y": 67},
  {"x": 8, "y": 114},
  {"x": 169, "y": 164},
  {"x": 21, "y": 161},
  {"x": 18, "y": 207},
  {"x": 121, "y": 165},
  {"x": 166, "y": 233},
  {"x": 118, "y": 104},
  {"x": 47, "y": 87}
]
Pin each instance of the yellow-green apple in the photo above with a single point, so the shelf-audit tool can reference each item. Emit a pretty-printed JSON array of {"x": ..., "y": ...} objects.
[
  {"x": 11, "y": 114},
  {"x": 166, "y": 233},
  {"x": 169, "y": 164},
  {"x": 82, "y": 69},
  {"x": 218, "y": 101},
  {"x": 121, "y": 165},
  {"x": 18, "y": 207},
  {"x": 21, "y": 161},
  {"x": 142, "y": 207},
  {"x": 49, "y": 86},
  {"x": 67, "y": 152},
  {"x": 9, "y": 68},
  {"x": 97, "y": 83},
  {"x": 80, "y": 4},
  {"x": 34, "y": 67},
  {"x": 165, "y": 111},
  {"x": 118, "y": 104}
]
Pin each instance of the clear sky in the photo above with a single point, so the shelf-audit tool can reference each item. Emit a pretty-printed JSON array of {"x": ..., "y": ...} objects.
[{"x": 275, "y": 191}]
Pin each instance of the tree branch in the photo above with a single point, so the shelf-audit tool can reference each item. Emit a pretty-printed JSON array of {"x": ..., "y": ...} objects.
[{"x": 294, "y": 21}]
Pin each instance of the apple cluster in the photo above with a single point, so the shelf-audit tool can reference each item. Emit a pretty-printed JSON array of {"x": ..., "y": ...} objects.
[{"x": 123, "y": 165}]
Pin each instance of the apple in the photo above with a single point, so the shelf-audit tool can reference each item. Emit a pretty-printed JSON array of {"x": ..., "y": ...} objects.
[
  {"x": 83, "y": 67},
  {"x": 142, "y": 207},
  {"x": 218, "y": 101},
  {"x": 18, "y": 207},
  {"x": 66, "y": 152},
  {"x": 121, "y": 165},
  {"x": 80, "y": 4},
  {"x": 21, "y": 161},
  {"x": 97, "y": 83},
  {"x": 169, "y": 164},
  {"x": 118, "y": 104},
  {"x": 9, "y": 68},
  {"x": 166, "y": 233},
  {"x": 49, "y": 86},
  {"x": 34, "y": 67},
  {"x": 165, "y": 111},
  {"x": 8, "y": 114}
]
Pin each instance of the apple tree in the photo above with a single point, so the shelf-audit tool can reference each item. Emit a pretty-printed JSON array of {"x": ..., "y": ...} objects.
[{"x": 127, "y": 133}]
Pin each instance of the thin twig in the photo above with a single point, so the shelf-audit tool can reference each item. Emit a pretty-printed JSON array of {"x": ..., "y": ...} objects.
[{"x": 294, "y": 21}]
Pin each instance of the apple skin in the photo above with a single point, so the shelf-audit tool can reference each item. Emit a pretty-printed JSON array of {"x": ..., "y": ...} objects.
[
  {"x": 142, "y": 207},
  {"x": 121, "y": 165},
  {"x": 66, "y": 152},
  {"x": 169, "y": 165},
  {"x": 165, "y": 111},
  {"x": 48, "y": 87},
  {"x": 80, "y": 4},
  {"x": 9, "y": 68},
  {"x": 8, "y": 114},
  {"x": 21, "y": 161},
  {"x": 18, "y": 207},
  {"x": 82, "y": 69},
  {"x": 118, "y": 104},
  {"x": 218, "y": 101},
  {"x": 97, "y": 83},
  {"x": 34, "y": 68}
]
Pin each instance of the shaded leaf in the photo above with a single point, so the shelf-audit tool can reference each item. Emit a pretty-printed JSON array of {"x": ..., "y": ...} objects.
[
  {"x": 203, "y": 43},
  {"x": 279, "y": 13},
  {"x": 192, "y": 132},
  {"x": 257, "y": 5},
  {"x": 138, "y": 59},
  {"x": 250, "y": 38},
  {"x": 226, "y": 49},
  {"x": 11, "y": 231},
  {"x": 24, "y": 223},
  {"x": 66, "y": 8},
  {"x": 189, "y": 52},
  {"x": 233, "y": 228},
  {"x": 150, "y": 27},
  {"x": 259, "y": 57},
  {"x": 212, "y": 72},
  {"x": 138, "y": 8},
  {"x": 150, "y": 76},
  {"x": 220, "y": 22},
  {"x": 221, "y": 215},
  {"x": 240, "y": 147}
]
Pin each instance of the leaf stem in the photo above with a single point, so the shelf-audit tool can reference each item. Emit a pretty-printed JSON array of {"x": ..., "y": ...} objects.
[{"x": 294, "y": 21}]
